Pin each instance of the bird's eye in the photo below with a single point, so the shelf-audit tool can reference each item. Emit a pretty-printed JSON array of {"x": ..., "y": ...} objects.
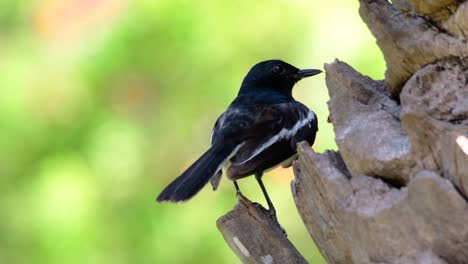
[{"x": 276, "y": 68}]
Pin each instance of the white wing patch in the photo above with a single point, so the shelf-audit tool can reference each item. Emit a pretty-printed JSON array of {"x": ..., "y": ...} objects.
[
  {"x": 221, "y": 165},
  {"x": 284, "y": 133}
]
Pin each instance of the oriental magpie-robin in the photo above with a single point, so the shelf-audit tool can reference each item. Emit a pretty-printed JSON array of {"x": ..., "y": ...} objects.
[{"x": 257, "y": 132}]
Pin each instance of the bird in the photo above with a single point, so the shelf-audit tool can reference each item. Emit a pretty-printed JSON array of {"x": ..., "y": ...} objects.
[{"x": 257, "y": 132}]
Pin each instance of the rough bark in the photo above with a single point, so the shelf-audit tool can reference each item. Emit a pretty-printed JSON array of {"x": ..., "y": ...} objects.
[
  {"x": 397, "y": 190},
  {"x": 255, "y": 237}
]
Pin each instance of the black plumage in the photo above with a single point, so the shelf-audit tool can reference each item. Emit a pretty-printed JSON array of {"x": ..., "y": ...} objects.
[{"x": 258, "y": 131}]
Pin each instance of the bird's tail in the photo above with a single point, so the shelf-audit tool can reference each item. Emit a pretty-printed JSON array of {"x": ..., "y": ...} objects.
[{"x": 196, "y": 176}]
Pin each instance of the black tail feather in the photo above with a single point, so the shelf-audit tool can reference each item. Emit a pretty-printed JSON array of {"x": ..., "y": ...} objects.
[{"x": 196, "y": 176}]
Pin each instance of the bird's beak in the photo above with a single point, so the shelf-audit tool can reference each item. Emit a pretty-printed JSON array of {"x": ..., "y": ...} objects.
[{"x": 306, "y": 73}]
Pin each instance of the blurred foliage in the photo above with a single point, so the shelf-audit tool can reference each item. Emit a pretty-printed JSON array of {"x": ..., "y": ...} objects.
[{"x": 104, "y": 102}]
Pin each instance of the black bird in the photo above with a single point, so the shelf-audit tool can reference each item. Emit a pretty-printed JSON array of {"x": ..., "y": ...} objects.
[{"x": 257, "y": 132}]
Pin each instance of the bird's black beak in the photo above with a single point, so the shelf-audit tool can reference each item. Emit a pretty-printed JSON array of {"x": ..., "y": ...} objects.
[{"x": 306, "y": 73}]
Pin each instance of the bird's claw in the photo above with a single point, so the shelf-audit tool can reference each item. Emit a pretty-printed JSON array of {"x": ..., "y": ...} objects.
[
  {"x": 258, "y": 205},
  {"x": 272, "y": 214}
]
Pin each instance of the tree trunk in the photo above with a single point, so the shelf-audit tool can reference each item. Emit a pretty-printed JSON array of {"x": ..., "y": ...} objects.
[{"x": 397, "y": 190}]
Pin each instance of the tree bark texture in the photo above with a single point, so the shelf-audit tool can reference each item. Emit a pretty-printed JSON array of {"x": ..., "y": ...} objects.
[
  {"x": 397, "y": 189},
  {"x": 255, "y": 237}
]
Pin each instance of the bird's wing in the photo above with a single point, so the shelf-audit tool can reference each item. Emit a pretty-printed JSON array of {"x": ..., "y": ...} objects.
[
  {"x": 259, "y": 126},
  {"x": 276, "y": 154}
]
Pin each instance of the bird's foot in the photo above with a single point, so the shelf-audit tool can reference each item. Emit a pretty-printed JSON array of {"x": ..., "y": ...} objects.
[
  {"x": 258, "y": 205},
  {"x": 272, "y": 214},
  {"x": 238, "y": 192}
]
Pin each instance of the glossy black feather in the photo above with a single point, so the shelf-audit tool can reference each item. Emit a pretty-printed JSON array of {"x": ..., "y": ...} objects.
[
  {"x": 258, "y": 131},
  {"x": 282, "y": 116},
  {"x": 196, "y": 176}
]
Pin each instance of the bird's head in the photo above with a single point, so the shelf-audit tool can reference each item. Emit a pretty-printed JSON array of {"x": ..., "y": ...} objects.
[{"x": 275, "y": 75}]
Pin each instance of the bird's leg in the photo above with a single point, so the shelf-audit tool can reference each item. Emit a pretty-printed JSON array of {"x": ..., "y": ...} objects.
[
  {"x": 271, "y": 208},
  {"x": 237, "y": 188}
]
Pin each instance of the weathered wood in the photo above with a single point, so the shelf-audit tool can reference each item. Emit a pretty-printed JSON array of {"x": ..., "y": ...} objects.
[
  {"x": 314, "y": 197},
  {"x": 437, "y": 10},
  {"x": 419, "y": 213},
  {"x": 255, "y": 237},
  {"x": 365, "y": 119},
  {"x": 457, "y": 24},
  {"x": 408, "y": 42},
  {"x": 454, "y": 158},
  {"x": 434, "y": 114},
  {"x": 362, "y": 219}
]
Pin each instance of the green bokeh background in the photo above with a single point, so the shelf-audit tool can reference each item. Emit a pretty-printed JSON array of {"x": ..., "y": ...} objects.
[{"x": 103, "y": 103}]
